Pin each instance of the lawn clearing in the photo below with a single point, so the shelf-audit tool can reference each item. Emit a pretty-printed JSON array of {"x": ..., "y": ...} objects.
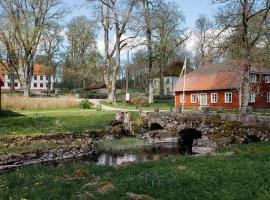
[
  {"x": 244, "y": 175},
  {"x": 50, "y": 121}
]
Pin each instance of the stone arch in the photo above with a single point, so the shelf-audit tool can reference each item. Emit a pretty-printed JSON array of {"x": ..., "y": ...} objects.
[
  {"x": 155, "y": 126},
  {"x": 186, "y": 138},
  {"x": 251, "y": 139}
]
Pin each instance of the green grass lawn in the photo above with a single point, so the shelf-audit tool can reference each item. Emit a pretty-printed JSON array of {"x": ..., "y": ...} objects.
[
  {"x": 50, "y": 121},
  {"x": 244, "y": 175}
]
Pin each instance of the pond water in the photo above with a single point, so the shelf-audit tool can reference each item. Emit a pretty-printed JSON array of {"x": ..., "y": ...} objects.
[{"x": 155, "y": 152}]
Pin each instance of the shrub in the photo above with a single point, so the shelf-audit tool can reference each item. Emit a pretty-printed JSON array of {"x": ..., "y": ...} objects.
[
  {"x": 140, "y": 100},
  {"x": 94, "y": 96},
  {"x": 85, "y": 104}
]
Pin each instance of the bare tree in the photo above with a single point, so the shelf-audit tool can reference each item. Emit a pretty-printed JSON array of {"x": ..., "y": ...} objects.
[
  {"x": 242, "y": 22},
  {"x": 203, "y": 49},
  {"x": 27, "y": 22},
  {"x": 168, "y": 36},
  {"x": 51, "y": 45},
  {"x": 82, "y": 48},
  {"x": 114, "y": 15}
]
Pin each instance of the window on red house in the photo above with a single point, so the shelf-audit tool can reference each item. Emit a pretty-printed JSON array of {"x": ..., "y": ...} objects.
[
  {"x": 252, "y": 97},
  {"x": 267, "y": 78},
  {"x": 253, "y": 78},
  {"x": 228, "y": 97},
  {"x": 193, "y": 98},
  {"x": 268, "y": 97},
  {"x": 183, "y": 98},
  {"x": 214, "y": 98}
]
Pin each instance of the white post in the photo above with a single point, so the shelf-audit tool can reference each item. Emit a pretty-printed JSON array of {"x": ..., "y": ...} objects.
[{"x": 184, "y": 86}]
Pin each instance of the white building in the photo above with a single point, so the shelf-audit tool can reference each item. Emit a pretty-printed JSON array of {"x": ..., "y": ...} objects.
[
  {"x": 171, "y": 75},
  {"x": 39, "y": 81}
]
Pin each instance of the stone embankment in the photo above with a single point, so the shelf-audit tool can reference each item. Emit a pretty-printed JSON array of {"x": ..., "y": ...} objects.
[
  {"x": 58, "y": 146},
  {"x": 47, "y": 148},
  {"x": 218, "y": 130}
]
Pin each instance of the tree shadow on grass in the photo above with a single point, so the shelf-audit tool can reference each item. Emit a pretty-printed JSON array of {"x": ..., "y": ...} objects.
[{"x": 9, "y": 113}]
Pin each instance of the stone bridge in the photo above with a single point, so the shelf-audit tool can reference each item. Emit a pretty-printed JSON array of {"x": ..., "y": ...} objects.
[{"x": 216, "y": 130}]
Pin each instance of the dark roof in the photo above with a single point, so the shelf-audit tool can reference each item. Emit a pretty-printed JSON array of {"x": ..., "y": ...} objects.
[
  {"x": 217, "y": 77},
  {"x": 100, "y": 86}
]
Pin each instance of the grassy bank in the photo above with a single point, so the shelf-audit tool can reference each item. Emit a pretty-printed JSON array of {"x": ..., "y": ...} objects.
[
  {"x": 50, "y": 121},
  {"x": 244, "y": 175},
  {"x": 123, "y": 144},
  {"x": 43, "y": 122}
]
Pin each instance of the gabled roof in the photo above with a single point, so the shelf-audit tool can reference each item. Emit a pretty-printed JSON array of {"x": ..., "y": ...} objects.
[
  {"x": 216, "y": 77},
  {"x": 37, "y": 69}
]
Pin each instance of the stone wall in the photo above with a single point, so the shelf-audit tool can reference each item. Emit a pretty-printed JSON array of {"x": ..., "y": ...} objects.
[{"x": 217, "y": 129}]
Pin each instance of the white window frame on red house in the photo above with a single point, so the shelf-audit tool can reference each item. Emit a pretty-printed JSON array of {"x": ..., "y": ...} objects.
[
  {"x": 252, "y": 97},
  {"x": 253, "y": 78},
  {"x": 182, "y": 98},
  {"x": 193, "y": 98},
  {"x": 267, "y": 79},
  {"x": 228, "y": 95},
  {"x": 214, "y": 97},
  {"x": 268, "y": 97}
]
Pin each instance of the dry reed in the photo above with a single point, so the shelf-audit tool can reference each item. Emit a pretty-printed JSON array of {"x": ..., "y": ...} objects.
[{"x": 16, "y": 102}]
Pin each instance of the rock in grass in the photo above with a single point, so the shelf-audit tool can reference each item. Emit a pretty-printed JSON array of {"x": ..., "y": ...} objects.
[
  {"x": 180, "y": 167},
  {"x": 80, "y": 173},
  {"x": 125, "y": 164},
  {"x": 104, "y": 187},
  {"x": 139, "y": 196}
]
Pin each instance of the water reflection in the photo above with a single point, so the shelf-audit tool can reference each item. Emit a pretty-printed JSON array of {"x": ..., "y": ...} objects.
[{"x": 155, "y": 152}]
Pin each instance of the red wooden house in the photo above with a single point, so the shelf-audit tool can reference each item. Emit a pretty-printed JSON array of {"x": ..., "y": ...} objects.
[{"x": 218, "y": 85}]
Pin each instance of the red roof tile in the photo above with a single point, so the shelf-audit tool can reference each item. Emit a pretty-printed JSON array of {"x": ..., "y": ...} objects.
[
  {"x": 37, "y": 68},
  {"x": 1, "y": 78},
  {"x": 216, "y": 77}
]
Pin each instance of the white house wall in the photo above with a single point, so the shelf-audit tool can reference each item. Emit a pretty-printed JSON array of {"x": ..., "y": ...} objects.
[
  {"x": 38, "y": 83},
  {"x": 169, "y": 82}
]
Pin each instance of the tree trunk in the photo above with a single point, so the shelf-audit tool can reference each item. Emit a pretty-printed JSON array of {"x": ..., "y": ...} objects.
[
  {"x": 49, "y": 84},
  {"x": 147, "y": 20},
  {"x": 26, "y": 73},
  {"x": 244, "y": 95}
]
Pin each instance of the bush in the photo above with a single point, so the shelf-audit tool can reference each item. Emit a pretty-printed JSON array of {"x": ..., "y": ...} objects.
[
  {"x": 165, "y": 97},
  {"x": 140, "y": 100},
  {"x": 94, "y": 96},
  {"x": 85, "y": 104}
]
